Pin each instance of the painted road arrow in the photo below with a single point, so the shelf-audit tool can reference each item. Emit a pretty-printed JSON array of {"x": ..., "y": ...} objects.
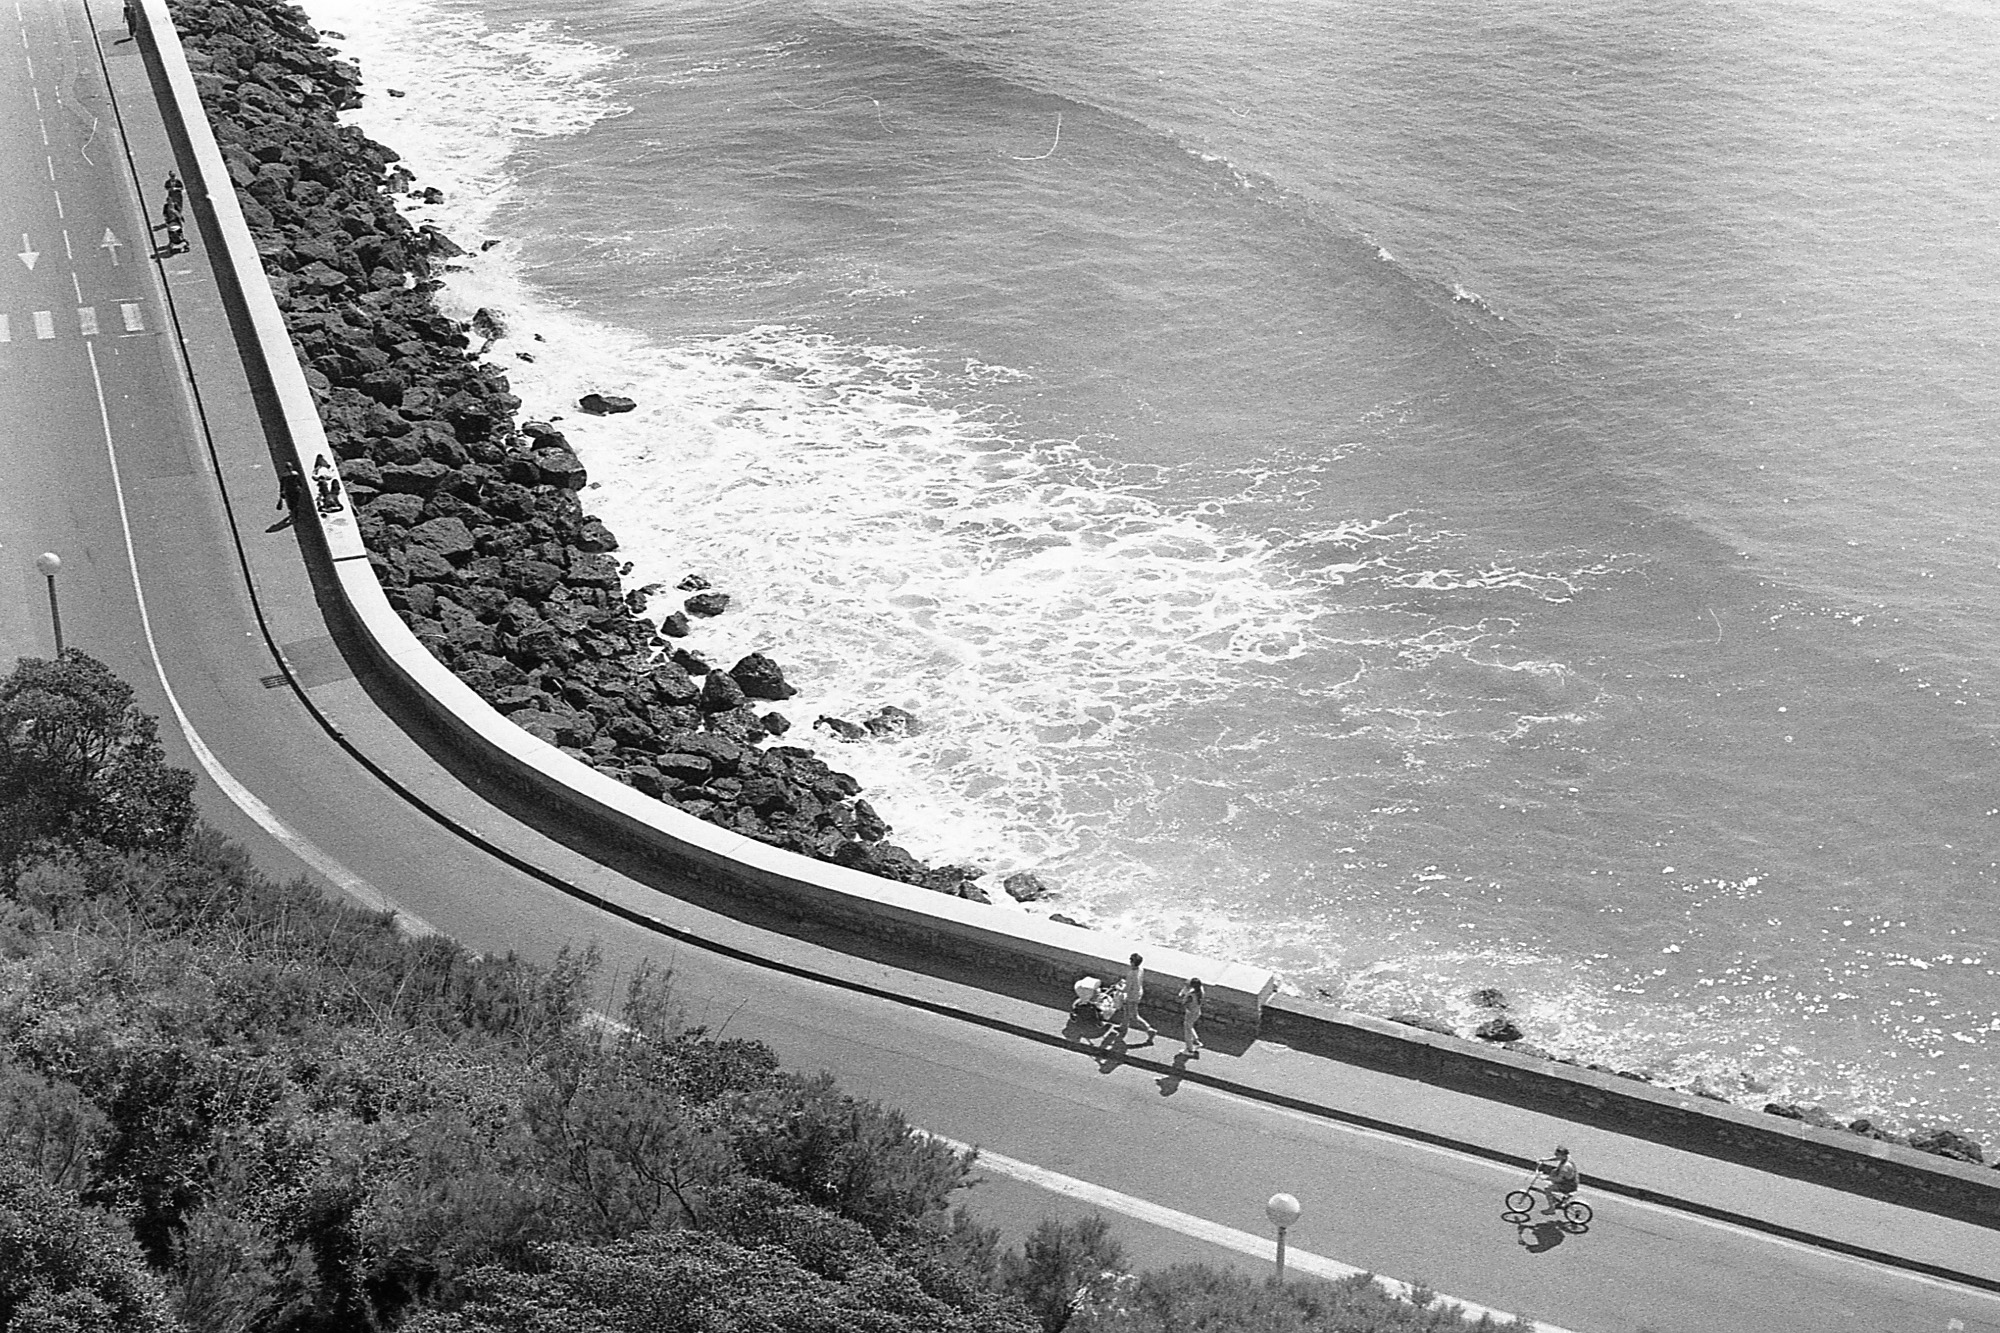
[
  {"x": 111, "y": 243},
  {"x": 29, "y": 254}
]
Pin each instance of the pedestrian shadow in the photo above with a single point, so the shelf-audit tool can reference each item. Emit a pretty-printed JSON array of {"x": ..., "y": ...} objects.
[
  {"x": 1540, "y": 1237},
  {"x": 1169, "y": 1083},
  {"x": 282, "y": 523}
]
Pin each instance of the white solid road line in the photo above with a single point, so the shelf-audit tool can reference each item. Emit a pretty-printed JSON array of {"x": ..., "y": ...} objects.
[
  {"x": 245, "y": 800},
  {"x": 1200, "y": 1228}
]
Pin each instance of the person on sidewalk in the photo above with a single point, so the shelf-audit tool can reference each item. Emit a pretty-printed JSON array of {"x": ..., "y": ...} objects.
[
  {"x": 170, "y": 218},
  {"x": 326, "y": 482},
  {"x": 1190, "y": 998},
  {"x": 1135, "y": 992},
  {"x": 291, "y": 487}
]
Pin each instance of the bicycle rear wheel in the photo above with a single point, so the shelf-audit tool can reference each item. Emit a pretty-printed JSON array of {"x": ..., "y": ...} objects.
[
  {"x": 1520, "y": 1201},
  {"x": 1577, "y": 1213}
]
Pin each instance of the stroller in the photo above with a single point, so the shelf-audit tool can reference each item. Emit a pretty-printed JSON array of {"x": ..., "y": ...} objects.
[{"x": 1096, "y": 1002}]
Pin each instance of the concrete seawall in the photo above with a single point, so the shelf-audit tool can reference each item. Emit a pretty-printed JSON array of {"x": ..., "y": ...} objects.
[
  {"x": 991, "y": 940},
  {"x": 1851, "y": 1162}
]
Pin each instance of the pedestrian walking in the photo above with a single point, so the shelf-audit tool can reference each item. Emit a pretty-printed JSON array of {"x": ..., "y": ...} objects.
[
  {"x": 131, "y": 19},
  {"x": 1190, "y": 998},
  {"x": 175, "y": 190},
  {"x": 170, "y": 218},
  {"x": 1135, "y": 992}
]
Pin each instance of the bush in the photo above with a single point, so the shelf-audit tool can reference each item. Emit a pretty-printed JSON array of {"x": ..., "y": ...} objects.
[{"x": 67, "y": 1267}]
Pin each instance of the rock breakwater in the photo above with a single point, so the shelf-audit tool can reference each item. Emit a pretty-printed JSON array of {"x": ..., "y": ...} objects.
[{"x": 473, "y": 519}]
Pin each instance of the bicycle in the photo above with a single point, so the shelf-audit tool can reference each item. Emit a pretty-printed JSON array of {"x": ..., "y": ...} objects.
[{"x": 1576, "y": 1214}]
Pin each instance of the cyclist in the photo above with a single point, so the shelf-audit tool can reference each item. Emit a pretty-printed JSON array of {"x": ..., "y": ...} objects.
[{"x": 1559, "y": 1171}]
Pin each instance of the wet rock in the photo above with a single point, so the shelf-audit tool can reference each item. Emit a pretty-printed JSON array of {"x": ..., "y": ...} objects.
[
  {"x": 760, "y": 678},
  {"x": 691, "y": 662},
  {"x": 890, "y": 720},
  {"x": 605, "y": 404},
  {"x": 776, "y": 723},
  {"x": 841, "y": 727},
  {"x": 1498, "y": 1030},
  {"x": 693, "y": 583},
  {"x": 706, "y": 604},
  {"x": 1948, "y": 1143},
  {"x": 1025, "y": 886},
  {"x": 869, "y": 826},
  {"x": 1488, "y": 997},
  {"x": 675, "y": 625},
  {"x": 1060, "y": 919},
  {"x": 720, "y": 692}
]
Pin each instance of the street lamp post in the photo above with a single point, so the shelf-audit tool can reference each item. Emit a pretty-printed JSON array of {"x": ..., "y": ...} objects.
[
  {"x": 1283, "y": 1210},
  {"x": 51, "y": 564}
]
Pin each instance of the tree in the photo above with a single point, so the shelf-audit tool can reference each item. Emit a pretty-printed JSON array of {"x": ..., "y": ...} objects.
[
  {"x": 65, "y": 1267},
  {"x": 1057, "y": 1266},
  {"x": 80, "y": 765}
]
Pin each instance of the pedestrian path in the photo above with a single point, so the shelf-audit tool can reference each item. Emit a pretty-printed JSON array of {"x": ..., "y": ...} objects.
[{"x": 110, "y": 319}]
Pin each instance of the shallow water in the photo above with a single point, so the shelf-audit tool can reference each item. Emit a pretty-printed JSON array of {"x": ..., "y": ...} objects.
[{"x": 1417, "y": 496}]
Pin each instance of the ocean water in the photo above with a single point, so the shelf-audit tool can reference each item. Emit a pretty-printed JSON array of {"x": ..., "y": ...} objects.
[{"x": 1424, "y": 496}]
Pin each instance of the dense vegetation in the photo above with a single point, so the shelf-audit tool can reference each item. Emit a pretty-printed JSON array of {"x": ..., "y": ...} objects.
[{"x": 229, "y": 1104}]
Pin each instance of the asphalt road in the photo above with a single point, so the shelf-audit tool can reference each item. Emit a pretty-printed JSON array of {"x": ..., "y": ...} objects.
[{"x": 157, "y": 491}]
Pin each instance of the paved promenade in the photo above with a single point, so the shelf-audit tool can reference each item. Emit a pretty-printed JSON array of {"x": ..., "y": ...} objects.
[{"x": 180, "y": 572}]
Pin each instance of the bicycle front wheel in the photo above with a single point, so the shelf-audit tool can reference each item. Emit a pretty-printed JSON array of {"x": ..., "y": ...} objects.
[{"x": 1520, "y": 1201}]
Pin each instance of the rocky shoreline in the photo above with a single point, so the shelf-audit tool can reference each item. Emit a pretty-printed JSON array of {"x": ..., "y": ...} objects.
[{"x": 472, "y": 517}]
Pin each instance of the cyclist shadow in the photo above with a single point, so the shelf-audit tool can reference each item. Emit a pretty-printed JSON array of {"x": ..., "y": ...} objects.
[{"x": 1541, "y": 1237}]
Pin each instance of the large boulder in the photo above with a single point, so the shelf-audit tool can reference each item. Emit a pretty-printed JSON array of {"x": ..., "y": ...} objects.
[
  {"x": 760, "y": 678},
  {"x": 1025, "y": 886},
  {"x": 706, "y": 604},
  {"x": 720, "y": 693},
  {"x": 604, "y": 404},
  {"x": 449, "y": 537}
]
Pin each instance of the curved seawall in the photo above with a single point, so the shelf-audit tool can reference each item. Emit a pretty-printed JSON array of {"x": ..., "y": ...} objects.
[{"x": 986, "y": 938}]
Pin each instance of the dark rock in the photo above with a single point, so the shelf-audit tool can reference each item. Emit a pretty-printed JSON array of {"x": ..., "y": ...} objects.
[
  {"x": 1060, "y": 919},
  {"x": 692, "y": 583},
  {"x": 841, "y": 727},
  {"x": 447, "y": 536},
  {"x": 776, "y": 723},
  {"x": 1025, "y": 886},
  {"x": 689, "y": 768},
  {"x": 1488, "y": 997},
  {"x": 675, "y": 625},
  {"x": 720, "y": 692},
  {"x": 760, "y": 678},
  {"x": 1948, "y": 1143},
  {"x": 706, "y": 604},
  {"x": 890, "y": 720},
  {"x": 1498, "y": 1029},
  {"x": 594, "y": 536},
  {"x": 869, "y": 826},
  {"x": 560, "y": 468},
  {"x": 604, "y": 404},
  {"x": 691, "y": 662}
]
